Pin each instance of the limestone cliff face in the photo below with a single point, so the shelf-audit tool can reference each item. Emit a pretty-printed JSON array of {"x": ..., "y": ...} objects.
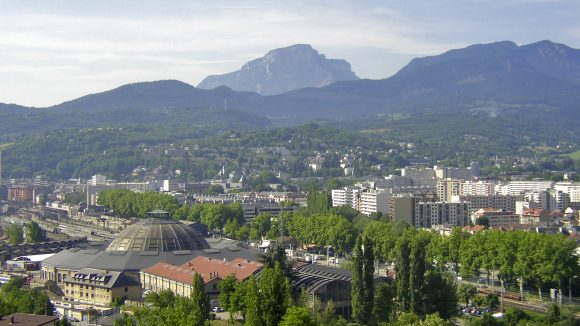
[{"x": 283, "y": 70}]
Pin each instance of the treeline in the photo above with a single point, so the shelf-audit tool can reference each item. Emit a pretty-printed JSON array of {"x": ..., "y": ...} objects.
[
  {"x": 126, "y": 203},
  {"x": 15, "y": 298}
]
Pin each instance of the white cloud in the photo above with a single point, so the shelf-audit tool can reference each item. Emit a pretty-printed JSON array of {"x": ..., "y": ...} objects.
[{"x": 189, "y": 40}]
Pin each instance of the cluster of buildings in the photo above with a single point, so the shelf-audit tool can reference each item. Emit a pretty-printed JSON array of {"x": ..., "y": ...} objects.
[
  {"x": 150, "y": 255},
  {"x": 157, "y": 254},
  {"x": 441, "y": 196}
]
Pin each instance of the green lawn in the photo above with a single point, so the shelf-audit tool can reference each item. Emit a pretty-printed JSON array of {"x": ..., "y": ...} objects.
[
  {"x": 4, "y": 146},
  {"x": 574, "y": 155}
]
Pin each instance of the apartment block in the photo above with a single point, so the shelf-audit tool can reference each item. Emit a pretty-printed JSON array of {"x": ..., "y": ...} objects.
[
  {"x": 497, "y": 217},
  {"x": 506, "y": 203},
  {"x": 346, "y": 197},
  {"x": 372, "y": 201},
  {"x": 429, "y": 214}
]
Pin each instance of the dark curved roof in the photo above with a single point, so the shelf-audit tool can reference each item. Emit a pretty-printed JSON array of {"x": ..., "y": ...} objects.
[
  {"x": 154, "y": 235},
  {"x": 313, "y": 276}
]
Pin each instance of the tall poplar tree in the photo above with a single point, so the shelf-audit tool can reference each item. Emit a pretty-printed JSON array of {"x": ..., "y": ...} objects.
[
  {"x": 254, "y": 310},
  {"x": 402, "y": 271},
  {"x": 362, "y": 280},
  {"x": 274, "y": 294},
  {"x": 200, "y": 301}
]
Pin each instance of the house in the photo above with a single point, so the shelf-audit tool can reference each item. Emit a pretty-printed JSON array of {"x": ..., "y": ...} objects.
[
  {"x": 535, "y": 216},
  {"x": 28, "y": 320}
]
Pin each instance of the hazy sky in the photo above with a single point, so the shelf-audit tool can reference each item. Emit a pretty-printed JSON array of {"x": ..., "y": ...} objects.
[{"x": 56, "y": 50}]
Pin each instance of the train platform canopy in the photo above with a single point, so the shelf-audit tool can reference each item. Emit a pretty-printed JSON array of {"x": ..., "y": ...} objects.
[{"x": 33, "y": 258}]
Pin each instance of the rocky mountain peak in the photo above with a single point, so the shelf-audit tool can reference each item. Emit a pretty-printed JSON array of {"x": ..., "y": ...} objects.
[{"x": 283, "y": 70}]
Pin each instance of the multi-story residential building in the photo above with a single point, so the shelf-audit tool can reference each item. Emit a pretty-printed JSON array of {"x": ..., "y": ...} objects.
[
  {"x": 401, "y": 208},
  {"x": 506, "y": 203},
  {"x": 558, "y": 200},
  {"x": 97, "y": 180},
  {"x": 551, "y": 199},
  {"x": 100, "y": 288},
  {"x": 447, "y": 188},
  {"x": 535, "y": 216},
  {"x": 253, "y": 210},
  {"x": 476, "y": 188},
  {"x": 497, "y": 217},
  {"x": 429, "y": 214},
  {"x": 20, "y": 193},
  {"x": 424, "y": 177},
  {"x": 346, "y": 196},
  {"x": 395, "y": 181},
  {"x": 372, "y": 201},
  {"x": 442, "y": 172},
  {"x": 515, "y": 188}
]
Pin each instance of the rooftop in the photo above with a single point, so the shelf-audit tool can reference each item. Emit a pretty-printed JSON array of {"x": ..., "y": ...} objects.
[
  {"x": 153, "y": 235},
  {"x": 27, "y": 320},
  {"x": 209, "y": 268}
]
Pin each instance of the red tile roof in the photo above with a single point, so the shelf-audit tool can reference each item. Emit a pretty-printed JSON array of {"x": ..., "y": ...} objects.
[{"x": 209, "y": 268}]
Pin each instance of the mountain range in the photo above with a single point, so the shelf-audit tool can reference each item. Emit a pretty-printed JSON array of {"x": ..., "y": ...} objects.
[{"x": 539, "y": 81}]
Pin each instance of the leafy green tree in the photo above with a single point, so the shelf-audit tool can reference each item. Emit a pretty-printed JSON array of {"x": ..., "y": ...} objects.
[
  {"x": 34, "y": 233},
  {"x": 238, "y": 299},
  {"x": 417, "y": 268},
  {"x": 318, "y": 202},
  {"x": 297, "y": 316},
  {"x": 435, "y": 320},
  {"x": 125, "y": 320},
  {"x": 199, "y": 299},
  {"x": 440, "y": 294},
  {"x": 402, "y": 268},
  {"x": 384, "y": 304},
  {"x": 14, "y": 234},
  {"x": 254, "y": 309},
  {"x": 215, "y": 190},
  {"x": 362, "y": 281},
  {"x": 227, "y": 287},
  {"x": 274, "y": 294},
  {"x": 163, "y": 299},
  {"x": 260, "y": 226},
  {"x": 465, "y": 292}
]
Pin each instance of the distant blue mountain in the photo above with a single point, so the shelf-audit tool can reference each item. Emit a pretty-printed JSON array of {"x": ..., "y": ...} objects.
[{"x": 540, "y": 80}]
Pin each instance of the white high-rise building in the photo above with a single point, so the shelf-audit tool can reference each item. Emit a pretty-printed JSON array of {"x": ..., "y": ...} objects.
[
  {"x": 98, "y": 180},
  {"x": 476, "y": 188},
  {"x": 346, "y": 196},
  {"x": 372, "y": 201},
  {"x": 515, "y": 188}
]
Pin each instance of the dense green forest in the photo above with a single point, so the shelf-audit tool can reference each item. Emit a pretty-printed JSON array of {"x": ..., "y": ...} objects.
[{"x": 502, "y": 146}]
